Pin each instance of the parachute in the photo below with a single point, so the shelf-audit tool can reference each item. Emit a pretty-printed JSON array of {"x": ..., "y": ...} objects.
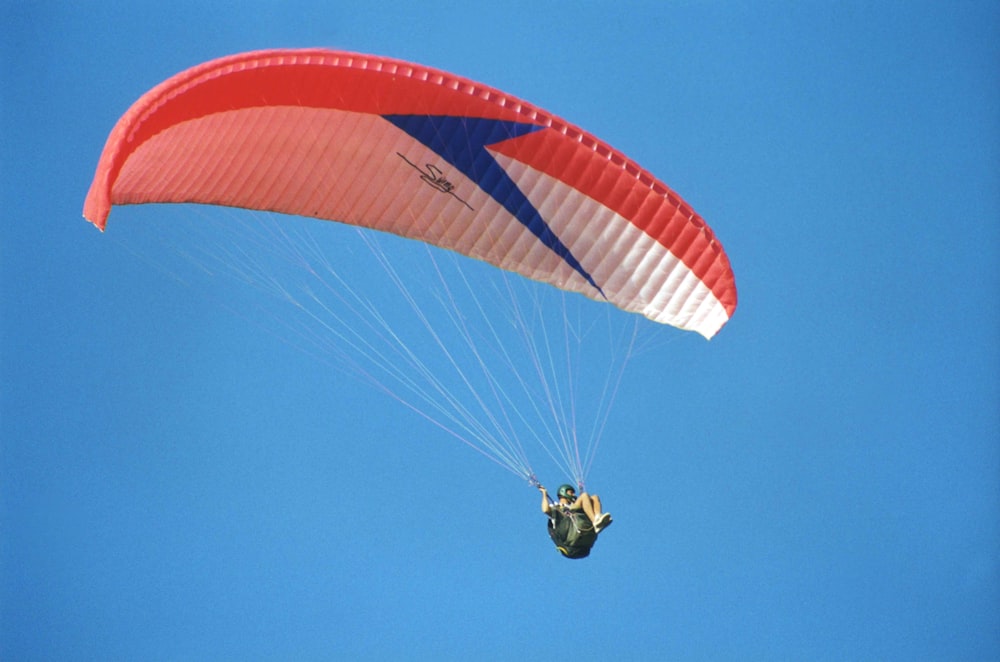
[
  {"x": 424, "y": 154},
  {"x": 427, "y": 155}
]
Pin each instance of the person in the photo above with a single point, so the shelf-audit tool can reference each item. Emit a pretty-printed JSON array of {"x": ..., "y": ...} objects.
[{"x": 574, "y": 521}]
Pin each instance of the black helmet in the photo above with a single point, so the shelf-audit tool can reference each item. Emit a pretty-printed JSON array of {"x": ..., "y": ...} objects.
[{"x": 567, "y": 492}]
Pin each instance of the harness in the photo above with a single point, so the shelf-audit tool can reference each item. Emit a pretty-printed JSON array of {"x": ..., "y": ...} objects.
[{"x": 572, "y": 532}]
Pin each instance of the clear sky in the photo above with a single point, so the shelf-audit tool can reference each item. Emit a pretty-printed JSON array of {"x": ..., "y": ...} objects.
[{"x": 821, "y": 481}]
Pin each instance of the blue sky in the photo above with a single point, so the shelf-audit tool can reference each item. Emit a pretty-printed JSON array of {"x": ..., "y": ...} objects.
[{"x": 821, "y": 481}]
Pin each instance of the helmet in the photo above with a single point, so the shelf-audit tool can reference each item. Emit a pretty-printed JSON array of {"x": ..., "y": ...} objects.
[{"x": 567, "y": 492}]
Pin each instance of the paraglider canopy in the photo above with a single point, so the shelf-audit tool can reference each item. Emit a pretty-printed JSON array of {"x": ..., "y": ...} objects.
[{"x": 424, "y": 154}]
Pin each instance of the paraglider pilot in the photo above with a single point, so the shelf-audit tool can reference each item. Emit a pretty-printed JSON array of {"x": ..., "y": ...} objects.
[{"x": 574, "y": 521}]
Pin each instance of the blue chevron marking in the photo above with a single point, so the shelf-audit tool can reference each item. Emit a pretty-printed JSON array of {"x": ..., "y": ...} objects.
[{"x": 462, "y": 142}]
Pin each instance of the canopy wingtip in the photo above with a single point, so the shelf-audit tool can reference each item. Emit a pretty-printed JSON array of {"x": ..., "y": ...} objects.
[
  {"x": 96, "y": 208},
  {"x": 100, "y": 224}
]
